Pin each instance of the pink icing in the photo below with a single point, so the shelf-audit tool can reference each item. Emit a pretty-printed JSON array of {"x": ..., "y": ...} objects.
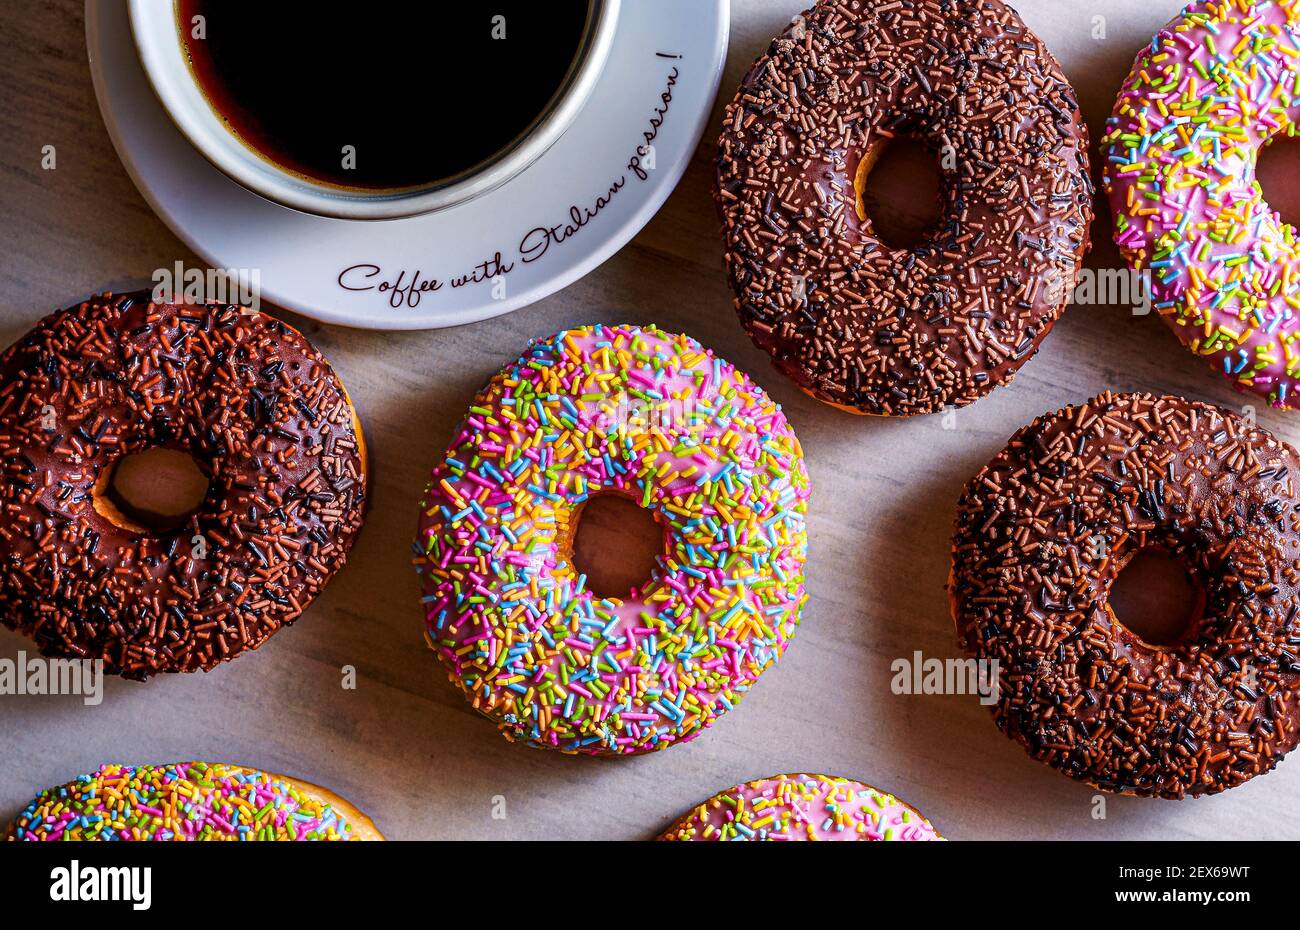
[
  {"x": 1213, "y": 87},
  {"x": 660, "y": 419},
  {"x": 803, "y": 807}
]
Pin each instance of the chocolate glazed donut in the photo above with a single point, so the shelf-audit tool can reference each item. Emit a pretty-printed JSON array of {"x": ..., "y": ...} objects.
[
  {"x": 1043, "y": 531},
  {"x": 857, "y": 324},
  {"x": 263, "y": 416}
]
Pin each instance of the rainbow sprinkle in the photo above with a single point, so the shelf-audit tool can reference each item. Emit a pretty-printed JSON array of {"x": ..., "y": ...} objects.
[
  {"x": 181, "y": 801},
  {"x": 661, "y": 420},
  {"x": 1213, "y": 87},
  {"x": 802, "y": 807}
]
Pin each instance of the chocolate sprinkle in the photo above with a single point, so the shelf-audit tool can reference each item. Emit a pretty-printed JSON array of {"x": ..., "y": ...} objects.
[
  {"x": 1043, "y": 531},
  {"x": 856, "y": 323},
  {"x": 117, "y": 375}
]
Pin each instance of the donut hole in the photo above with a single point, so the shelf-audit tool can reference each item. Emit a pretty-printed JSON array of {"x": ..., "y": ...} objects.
[
  {"x": 1154, "y": 598},
  {"x": 898, "y": 184},
  {"x": 153, "y": 491},
  {"x": 616, "y": 544},
  {"x": 1276, "y": 168}
]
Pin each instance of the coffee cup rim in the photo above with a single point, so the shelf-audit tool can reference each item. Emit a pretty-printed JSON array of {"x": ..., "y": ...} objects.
[{"x": 157, "y": 33}]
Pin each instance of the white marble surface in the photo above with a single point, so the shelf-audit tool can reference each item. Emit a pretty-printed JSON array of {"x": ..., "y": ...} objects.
[{"x": 404, "y": 745}]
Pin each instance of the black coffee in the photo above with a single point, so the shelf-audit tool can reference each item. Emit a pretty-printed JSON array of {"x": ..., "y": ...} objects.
[{"x": 381, "y": 94}]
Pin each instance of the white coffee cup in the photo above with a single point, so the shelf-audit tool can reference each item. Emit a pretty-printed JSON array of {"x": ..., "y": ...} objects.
[{"x": 161, "y": 46}]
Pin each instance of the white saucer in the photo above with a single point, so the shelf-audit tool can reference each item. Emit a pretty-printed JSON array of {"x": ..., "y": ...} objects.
[{"x": 553, "y": 223}]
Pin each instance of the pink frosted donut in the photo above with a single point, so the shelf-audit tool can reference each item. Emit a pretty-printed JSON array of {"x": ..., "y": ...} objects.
[
  {"x": 661, "y": 420},
  {"x": 803, "y": 807},
  {"x": 1215, "y": 85}
]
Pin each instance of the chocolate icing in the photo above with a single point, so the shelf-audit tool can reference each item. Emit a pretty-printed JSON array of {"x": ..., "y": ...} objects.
[
  {"x": 1043, "y": 531},
  {"x": 258, "y": 409},
  {"x": 909, "y": 331}
]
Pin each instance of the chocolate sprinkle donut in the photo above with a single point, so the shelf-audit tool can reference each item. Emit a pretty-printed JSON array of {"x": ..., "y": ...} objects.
[
  {"x": 263, "y": 416},
  {"x": 854, "y": 322},
  {"x": 1043, "y": 531}
]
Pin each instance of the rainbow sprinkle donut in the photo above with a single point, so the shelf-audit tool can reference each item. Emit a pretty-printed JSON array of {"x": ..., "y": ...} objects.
[
  {"x": 802, "y": 807},
  {"x": 189, "y": 801},
  {"x": 659, "y": 419},
  {"x": 1217, "y": 84}
]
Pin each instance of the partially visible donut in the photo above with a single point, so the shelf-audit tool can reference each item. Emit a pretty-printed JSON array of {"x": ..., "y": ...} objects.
[
  {"x": 262, "y": 414},
  {"x": 189, "y": 801},
  {"x": 1043, "y": 531},
  {"x": 1210, "y": 90},
  {"x": 855, "y": 323},
  {"x": 802, "y": 807},
  {"x": 656, "y": 418}
]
